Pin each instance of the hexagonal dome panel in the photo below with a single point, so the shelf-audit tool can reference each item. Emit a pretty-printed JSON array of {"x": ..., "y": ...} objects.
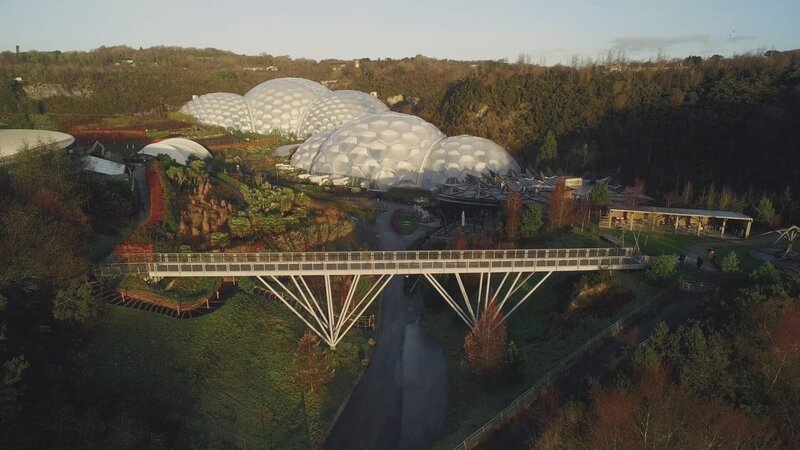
[
  {"x": 373, "y": 146},
  {"x": 279, "y": 105},
  {"x": 331, "y": 111},
  {"x": 458, "y": 155},
  {"x": 307, "y": 151},
  {"x": 221, "y": 109}
]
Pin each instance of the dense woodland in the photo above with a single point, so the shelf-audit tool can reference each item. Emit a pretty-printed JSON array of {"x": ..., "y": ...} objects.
[
  {"x": 728, "y": 380},
  {"x": 50, "y": 212}
]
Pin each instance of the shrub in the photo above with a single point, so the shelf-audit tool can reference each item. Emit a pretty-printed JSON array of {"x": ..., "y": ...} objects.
[
  {"x": 730, "y": 263},
  {"x": 74, "y": 305},
  {"x": 403, "y": 222},
  {"x": 767, "y": 275},
  {"x": 663, "y": 268}
]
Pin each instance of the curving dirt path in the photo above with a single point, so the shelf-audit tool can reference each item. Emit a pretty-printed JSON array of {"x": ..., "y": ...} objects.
[{"x": 401, "y": 401}]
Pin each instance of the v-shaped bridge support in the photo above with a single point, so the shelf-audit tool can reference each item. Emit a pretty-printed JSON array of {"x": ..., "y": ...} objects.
[
  {"x": 329, "y": 316},
  {"x": 510, "y": 295}
]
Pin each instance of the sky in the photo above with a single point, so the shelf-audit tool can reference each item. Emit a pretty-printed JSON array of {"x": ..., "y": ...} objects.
[{"x": 548, "y": 32}]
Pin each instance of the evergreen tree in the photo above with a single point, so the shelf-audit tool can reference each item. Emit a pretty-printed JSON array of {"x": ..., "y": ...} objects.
[
  {"x": 730, "y": 263},
  {"x": 532, "y": 221},
  {"x": 764, "y": 210},
  {"x": 548, "y": 152}
]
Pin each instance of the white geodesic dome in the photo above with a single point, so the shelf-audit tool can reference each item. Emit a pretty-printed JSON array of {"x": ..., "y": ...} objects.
[
  {"x": 221, "y": 109},
  {"x": 456, "y": 156},
  {"x": 279, "y": 105},
  {"x": 337, "y": 108},
  {"x": 304, "y": 156},
  {"x": 389, "y": 148},
  {"x": 179, "y": 149}
]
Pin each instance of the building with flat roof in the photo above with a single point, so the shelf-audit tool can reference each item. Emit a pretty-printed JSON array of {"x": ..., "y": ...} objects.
[{"x": 695, "y": 221}]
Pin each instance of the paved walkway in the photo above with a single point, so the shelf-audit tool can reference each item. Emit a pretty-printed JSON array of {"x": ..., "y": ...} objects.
[
  {"x": 140, "y": 175},
  {"x": 401, "y": 401}
]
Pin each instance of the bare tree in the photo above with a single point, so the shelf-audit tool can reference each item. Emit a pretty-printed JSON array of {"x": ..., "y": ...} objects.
[
  {"x": 486, "y": 343},
  {"x": 314, "y": 368}
]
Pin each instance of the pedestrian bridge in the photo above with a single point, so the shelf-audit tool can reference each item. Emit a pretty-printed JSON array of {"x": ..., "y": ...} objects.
[
  {"x": 367, "y": 274},
  {"x": 372, "y": 262}
]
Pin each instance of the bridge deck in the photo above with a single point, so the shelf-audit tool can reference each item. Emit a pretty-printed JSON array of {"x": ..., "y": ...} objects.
[{"x": 373, "y": 263}]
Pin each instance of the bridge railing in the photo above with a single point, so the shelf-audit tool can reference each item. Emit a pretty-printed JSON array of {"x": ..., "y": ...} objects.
[
  {"x": 421, "y": 255},
  {"x": 404, "y": 262}
]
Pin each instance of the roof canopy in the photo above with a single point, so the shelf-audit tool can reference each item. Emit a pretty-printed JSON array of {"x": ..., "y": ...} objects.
[
  {"x": 684, "y": 212},
  {"x": 103, "y": 166}
]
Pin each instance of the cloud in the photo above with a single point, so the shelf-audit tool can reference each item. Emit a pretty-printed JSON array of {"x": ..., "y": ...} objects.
[{"x": 655, "y": 43}]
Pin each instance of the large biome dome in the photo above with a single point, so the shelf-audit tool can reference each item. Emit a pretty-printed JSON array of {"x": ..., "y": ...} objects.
[
  {"x": 337, "y": 108},
  {"x": 221, "y": 109},
  {"x": 389, "y": 148},
  {"x": 457, "y": 156},
  {"x": 284, "y": 105},
  {"x": 280, "y": 104}
]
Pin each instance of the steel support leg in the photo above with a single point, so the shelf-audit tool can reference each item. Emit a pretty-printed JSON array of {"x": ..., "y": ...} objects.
[{"x": 324, "y": 318}]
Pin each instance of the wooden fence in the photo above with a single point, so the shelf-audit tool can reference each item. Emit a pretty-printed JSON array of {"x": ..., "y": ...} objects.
[{"x": 688, "y": 286}]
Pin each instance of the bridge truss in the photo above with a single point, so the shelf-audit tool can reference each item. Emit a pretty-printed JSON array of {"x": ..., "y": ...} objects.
[{"x": 329, "y": 291}]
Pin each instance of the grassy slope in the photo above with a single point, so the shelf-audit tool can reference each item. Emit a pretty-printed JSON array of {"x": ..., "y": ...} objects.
[
  {"x": 220, "y": 380},
  {"x": 544, "y": 333}
]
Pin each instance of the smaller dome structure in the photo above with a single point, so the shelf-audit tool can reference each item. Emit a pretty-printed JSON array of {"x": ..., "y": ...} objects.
[
  {"x": 457, "y": 156},
  {"x": 337, "y": 108},
  {"x": 12, "y": 141},
  {"x": 279, "y": 105},
  {"x": 221, "y": 109},
  {"x": 179, "y": 149},
  {"x": 304, "y": 156}
]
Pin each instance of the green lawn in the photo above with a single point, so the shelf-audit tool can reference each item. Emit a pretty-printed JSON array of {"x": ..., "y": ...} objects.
[
  {"x": 221, "y": 380},
  {"x": 746, "y": 262},
  {"x": 660, "y": 243},
  {"x": 544, "y": 331}
]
